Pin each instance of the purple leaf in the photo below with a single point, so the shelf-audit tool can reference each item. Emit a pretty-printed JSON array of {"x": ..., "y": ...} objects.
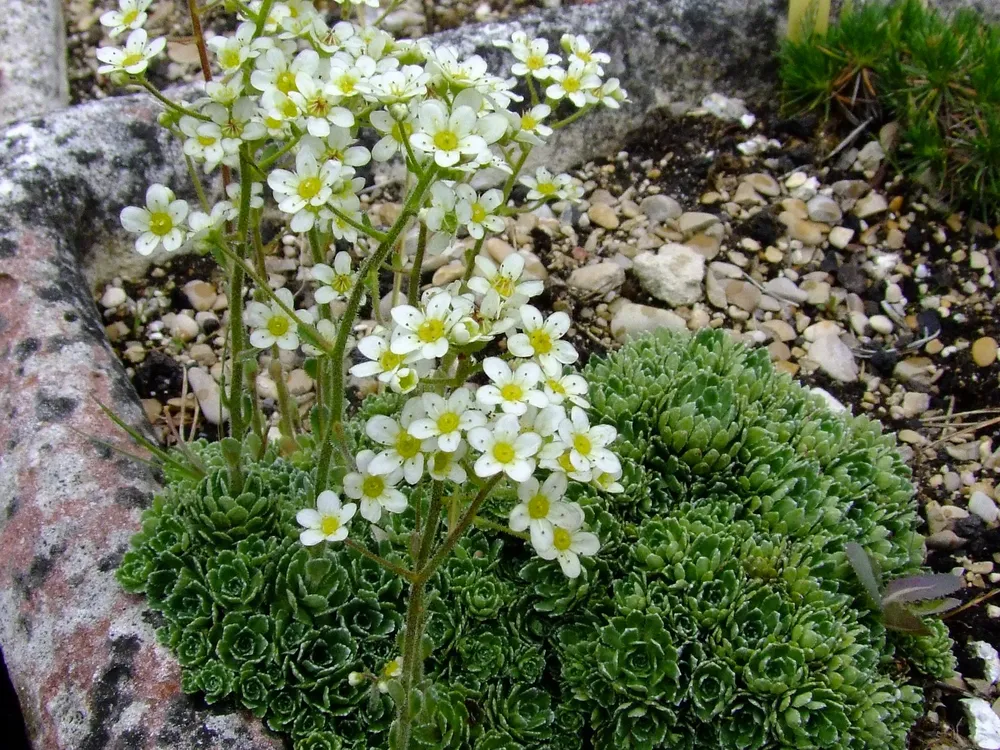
[
  {"x": 864, "y": 569},
  {"x": 898, "y": 617},
  {"x": 921, "y": 588}
]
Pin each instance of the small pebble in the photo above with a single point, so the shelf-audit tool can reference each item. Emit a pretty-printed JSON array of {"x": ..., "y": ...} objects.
[
  {"x": 113, "y": 297},
  {"x": 984, "y": 351}
]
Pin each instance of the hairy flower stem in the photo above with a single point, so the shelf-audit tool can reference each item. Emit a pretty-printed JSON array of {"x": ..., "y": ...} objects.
[
  {"x": 413, "y": 291},
  {"x": 373, "y": 263},
  {"x": 285, "y": 404},
  {"x": 237, "y": 424},
  {"x": 455, "y": 535},
  {"x": 413, "y": 662}
]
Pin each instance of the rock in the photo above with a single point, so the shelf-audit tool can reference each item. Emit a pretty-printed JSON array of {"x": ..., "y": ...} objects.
[
  {"x": 817, "y": 292},
  {"x": 206, "y": 390},
  {"x": 780, "y": 330},
  {"x": 984, "y": 351},
  {"x": 299, "y": 382},
  {"x": 113, "y": 297},
  {"x": 724, "y": 107},
  {"x": 824, "y": 209},
  {"x": 599, "y": 277},
  {"x": 448, "y": 273},
  {"x": 779, "y": 351},
  {"x": 695, "y": 221},
  {"x": 630, "y": 319},
  {"x": 840, "y": 237},
  {"x": 870, "y": 157},
  {"x": 822, "y": 328},
  {"x": 763, "y": 184},
  {"x": 869, "y": 205},
  {"x": 795, "y": 180},
  {"x": 918, "y": 371},
  {"x": 661, "y": 208},
  {"x": 715, "y": 291},
  {"x": 880, "y": 324},
  {"x": 809, "y": 233},
  {"x": 498, "y": 249},
  {"x": 911, "y": 437},
  {"x": 982, "y": 505},
  {"x": 831, "y": 402},
  {"x": 850, "y": 189},
  {"x": 984, "y": 724},
  {"x": 603, "y": 215},
  {"x": 33, "y": 59},
  {"x": 674, "y": 275},
  {"x": 773, "y": 255},
  {"x": 914, "y": 404},
  {"x": 743, "y": 294},
  {"x": 786, "y": 289},
  {"x": 945, "y": 540},
  {"x": 746, "y": 195},
  {"x": 852, "y": 277},
  {"x": 834, "y": 358},
  {"x": 533, "y": 266},
  {"x": 182, "y": 326},
  {"x": 203, "y": 354},
  {"x": 200, "y": 294},
  {"x": 978, "y": 260}
]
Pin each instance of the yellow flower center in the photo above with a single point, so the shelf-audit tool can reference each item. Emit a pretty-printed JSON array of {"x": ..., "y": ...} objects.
[
  {"x": 512, "y": 392},
  {"x": 318, "y": 106},
  {"x": 556, "y": 386},
  {"x": 329, "y": 525},
  {"x": 478, "y": 213},
  {"x": 129, "y": 18},
  {"x": 535, "y": 62},
  {"x": 309, "y": 187},
  {"x": 540, "y": 340},
  {"x": 391, "y": 669},
  {"x": 441, "y": 462},
  {"x": 285, "y": 82},
  {"x": 504, "y": 452},
  {"x": 372, "y": 486},
  {"x": 347, "y": 84},
  {"x": 430, "y": 330},
  {"x": 160, "y": 223},
  {"x": 390, "y": 360},
  {"x": 565, "y": 464},
  {"x": 278, "y": 325},
  {"x": 528, "y": 122},
  {"x": 504, "y": 286},
  {"x": 538, "y": 506},
  {"x": 229, "y": 57},
  {"x": 547, "y": 188},
  {"x": 561, "y": 539},
  {"x": 446, "y": 140},
  {"x": 342, "y": 283},
  {"x": 571, "y": 84},
  {"x": 407, "y": 446},
  {"x": 134, "y": 59},
  {"x": 402, "y": 131},
  {"x": 447, "y": 422},
  {"x": 288, "y": 109},
  {"x": 206, "y": 140},
  {"x": 582, "y": 445},
  {"x": 273, "y": 123}
]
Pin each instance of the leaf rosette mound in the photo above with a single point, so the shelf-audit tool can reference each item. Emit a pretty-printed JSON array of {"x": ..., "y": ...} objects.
[{"x": 721, "y": 612}]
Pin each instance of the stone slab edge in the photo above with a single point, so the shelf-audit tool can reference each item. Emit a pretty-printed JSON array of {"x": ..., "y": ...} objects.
[{"x": 32, "y": 59}]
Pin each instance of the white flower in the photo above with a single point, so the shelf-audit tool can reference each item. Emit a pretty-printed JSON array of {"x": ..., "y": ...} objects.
[
  {"x": 240, "y": 121},
  {"x": 478, "y": 212},
  {"x": 131, "y": 14},
  {"x": 559, "y": 387},
  {"x": 233, "y": 51},
  {"x": 440, "y": 216},
  {"x": 541, "y": 338},
  {"x": 309, "y": 186},
  {"x": 338, "y": 146},
  {"x": 402, "y": 447},
  {"x": 346, "y": 74},
  {"x": 395, "y": 134},
  {"x": 541, "y": 509},
  {"x": 375, "y": 492},
  {"x": 505, "y": 449},
  {"x": 578, "y": 84},
  {"x": 447, "y": 419},
  {"x": 609, "y": 481},
  {"x": 226, "y": 91},
  {"x": 445, "y": 67},
  {"x": 530, "y": 127},
  {"x": 392, "y": 369},
  {"x": 611, "y": 94},
  {"x": 586, "y": 445},
  {"x": 394, "y": 667},
  {"x": 274, "y": 72},
  {"x": 579, "y": 50},
  {"x": 337, "y": 282},
  {"x": 160, "y": 221},
  {"x": 206, "y": 142},
  {"x": 533, "y": 56},
  {"x": 134, "y": 58},
  {"x": 396, "y": 86},
  {"x": 568, "y": 543},
  {"x": 448, "y": 137},
  {"x": 425, "y": 331},
  {"x": 328, "y": 522},
  {"x": 442, "y": 465},
  {"x": 256, "y": 195},
  {"x": 327, "y": 330},
  {"x": 511, "y": 390},
  {"x": 543, "y": 186},
  {"x": 317, "y": 101},
  {"x": 505, "y": 282},
  {"x": 273, "y": 325}
]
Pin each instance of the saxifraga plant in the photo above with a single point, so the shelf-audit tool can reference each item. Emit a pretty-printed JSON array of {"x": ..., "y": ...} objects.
[
  {"x": 721, "y": 612},
  {"x": 936, "y": 76}
]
